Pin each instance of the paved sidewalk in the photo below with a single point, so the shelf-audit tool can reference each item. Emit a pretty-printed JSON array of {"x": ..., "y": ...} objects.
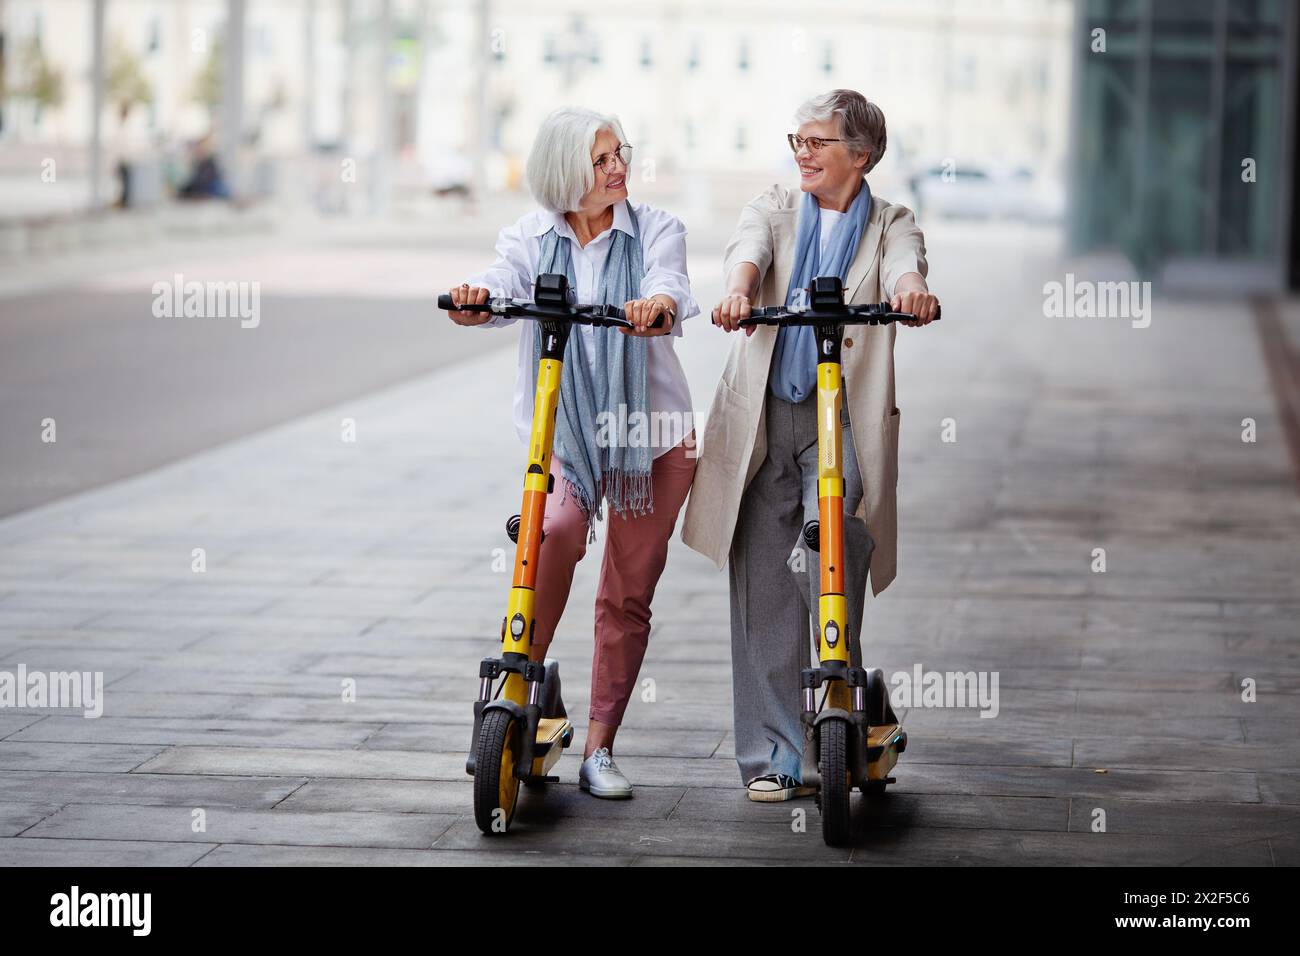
[{"x": 372, "y": 562}]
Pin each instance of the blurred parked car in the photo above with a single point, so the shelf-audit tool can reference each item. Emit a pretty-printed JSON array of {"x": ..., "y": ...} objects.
[{"x": 956, "y": 190}]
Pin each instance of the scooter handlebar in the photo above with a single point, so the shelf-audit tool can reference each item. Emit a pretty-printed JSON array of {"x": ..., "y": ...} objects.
[
  {"x": 872, "y": 314},
  {"x": 606, "y": 316}
]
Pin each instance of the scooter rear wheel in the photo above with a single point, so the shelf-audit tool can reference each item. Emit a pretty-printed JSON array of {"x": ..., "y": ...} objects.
[
  {"x": 833, "y": 746},
  {"x": 496, "y": 788}
]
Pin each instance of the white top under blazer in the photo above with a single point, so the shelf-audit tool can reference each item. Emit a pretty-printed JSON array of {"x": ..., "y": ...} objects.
[{"x": 663, "y": 248}]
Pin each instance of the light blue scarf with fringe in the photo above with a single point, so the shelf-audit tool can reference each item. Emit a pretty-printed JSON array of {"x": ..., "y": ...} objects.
[{"x": 588, "y": 390}]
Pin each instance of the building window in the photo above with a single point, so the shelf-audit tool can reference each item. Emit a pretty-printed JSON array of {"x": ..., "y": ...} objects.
[
  {"x": 828, "y": 58},
  {"x": 263, "y": 41},
  {"x": 693, "y": 57},
  {"x": 647, "y": 60},
  {"x": 740, "y": 139},
  {"x": 743, "y": 60},
  {"x": 967, "y": 73}
]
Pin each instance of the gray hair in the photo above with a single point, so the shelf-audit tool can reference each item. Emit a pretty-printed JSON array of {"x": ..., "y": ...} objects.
[
  {"x": 559, "y": 168},
  {"x": 861, "y": 122}
]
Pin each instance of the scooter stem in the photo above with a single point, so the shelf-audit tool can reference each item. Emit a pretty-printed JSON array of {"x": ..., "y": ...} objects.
[
  {"x": 832, "y": 606},
  {"x": 517, "y": 635}
]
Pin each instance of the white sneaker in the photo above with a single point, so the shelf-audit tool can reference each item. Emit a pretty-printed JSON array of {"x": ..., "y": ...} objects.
[{"x": 601, "y": 778}]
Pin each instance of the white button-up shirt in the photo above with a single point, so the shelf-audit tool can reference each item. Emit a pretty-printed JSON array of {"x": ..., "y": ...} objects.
[{"x": 663, "y": 248}]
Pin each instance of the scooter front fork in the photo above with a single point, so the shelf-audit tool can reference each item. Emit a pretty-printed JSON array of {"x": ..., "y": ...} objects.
[
  {"x": 514, "y": 667},
  {"x": 852, "y": 683}
]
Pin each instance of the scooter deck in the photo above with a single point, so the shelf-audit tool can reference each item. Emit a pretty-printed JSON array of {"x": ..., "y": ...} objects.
[
  {"x": 886, "y": 737},
  {"x": 556, "y": 731}
]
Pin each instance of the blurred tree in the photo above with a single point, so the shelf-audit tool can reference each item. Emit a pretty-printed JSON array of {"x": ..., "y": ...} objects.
[
  {"x": 207, "y": 84},
  {"x": 37, "y": 80},
  {"x": 125, "y": 84}
]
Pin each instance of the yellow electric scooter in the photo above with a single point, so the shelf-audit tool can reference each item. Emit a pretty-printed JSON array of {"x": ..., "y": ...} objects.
[
  {"x": 520, "y": 727},
  {"x": 852, "y": 739}
]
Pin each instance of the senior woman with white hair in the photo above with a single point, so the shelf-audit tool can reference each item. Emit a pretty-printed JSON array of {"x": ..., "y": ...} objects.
[
  {"x": 756, "y": 480},
  {"x": 632, "y": 255}
]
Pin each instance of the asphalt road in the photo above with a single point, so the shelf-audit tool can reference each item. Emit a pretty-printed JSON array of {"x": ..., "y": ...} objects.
[{"x": 129, "y": 391}]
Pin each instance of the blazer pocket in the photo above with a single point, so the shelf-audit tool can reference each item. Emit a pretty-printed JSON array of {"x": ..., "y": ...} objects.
[{"x": 725, "y": 430}]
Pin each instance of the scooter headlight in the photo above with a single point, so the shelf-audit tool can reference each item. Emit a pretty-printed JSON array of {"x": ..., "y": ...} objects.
[
  {"x": 517, "y": 625},
  {"x": 832, "y": 633}
]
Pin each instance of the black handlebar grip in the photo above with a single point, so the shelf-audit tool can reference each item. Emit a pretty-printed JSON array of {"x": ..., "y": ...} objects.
[
  {"x": 938, "y": 314},
  {"x": 445, "y": 302}
]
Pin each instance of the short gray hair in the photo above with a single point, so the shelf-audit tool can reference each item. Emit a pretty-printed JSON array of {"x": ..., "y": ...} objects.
[
  {"x": 559, "y": 169},
  {"x": 861, "y": 122}
]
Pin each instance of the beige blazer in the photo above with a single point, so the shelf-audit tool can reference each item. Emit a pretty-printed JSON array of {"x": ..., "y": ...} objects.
[{"x": 735, "y": 436}]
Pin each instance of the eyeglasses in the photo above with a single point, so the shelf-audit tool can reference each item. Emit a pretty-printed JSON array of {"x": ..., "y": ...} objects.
[
  {"x": 608, "y": 162},
  {"x": 815, "y": 143}
]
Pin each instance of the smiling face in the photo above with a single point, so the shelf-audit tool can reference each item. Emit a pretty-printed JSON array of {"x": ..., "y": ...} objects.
[
  {"x": 610, "y": 187},
  {"x": 833, "y": 169}
]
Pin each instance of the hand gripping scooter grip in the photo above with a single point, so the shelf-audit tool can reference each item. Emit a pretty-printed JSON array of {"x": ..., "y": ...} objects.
[
  {"x": 446, "y": 304},
  {"x": 605, "y": 314},
  {"x": 900, "y": 316}
]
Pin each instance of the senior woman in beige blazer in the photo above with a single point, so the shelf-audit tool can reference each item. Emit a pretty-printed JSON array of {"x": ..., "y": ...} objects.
[{"x": 755, "y": 482}]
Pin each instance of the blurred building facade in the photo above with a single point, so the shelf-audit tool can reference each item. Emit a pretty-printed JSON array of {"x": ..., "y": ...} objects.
[
  {"x": 712, "y": 87},
  {"x": 453, "y": 90},
  {"x": 1184, "y": 129}
]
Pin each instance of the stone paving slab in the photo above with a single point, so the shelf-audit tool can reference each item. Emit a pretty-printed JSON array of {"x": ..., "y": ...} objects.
[
  {"x": 145, "y": 788},
  {"x": 17, "y": 817},
  {"x": 234, "y": 733},
  {"x": 242, "y": 854},
  {"x": 36, "y": 851},
  {"x": 226, "y": 825},
  {"x": 103, "y": 758}
]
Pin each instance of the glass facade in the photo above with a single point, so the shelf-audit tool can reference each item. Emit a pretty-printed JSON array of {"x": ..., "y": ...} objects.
[{"x": 1183, "y": 126}]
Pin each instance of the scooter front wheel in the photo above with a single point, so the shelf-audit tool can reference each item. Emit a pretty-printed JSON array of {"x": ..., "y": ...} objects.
[
  {"x": 496, "y": 788},
  {"x": 833, "y": 746}
]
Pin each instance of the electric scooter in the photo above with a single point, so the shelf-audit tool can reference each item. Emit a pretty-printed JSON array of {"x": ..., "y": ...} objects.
[
  {"x": 852, "y": 739},
  {"x": 521, "y": 728}
]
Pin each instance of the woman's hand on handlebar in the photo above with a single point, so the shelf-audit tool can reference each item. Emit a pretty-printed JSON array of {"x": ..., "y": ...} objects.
[
  {"x": 728, "y": 313},
  {"x": 466, "y": 294},
  {"x": 642, "y": 314},
  {"x": 924, "y": 305}
]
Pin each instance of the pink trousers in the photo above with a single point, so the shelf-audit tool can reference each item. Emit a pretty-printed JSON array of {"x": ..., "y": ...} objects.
[{"x": 636, "y": 549}]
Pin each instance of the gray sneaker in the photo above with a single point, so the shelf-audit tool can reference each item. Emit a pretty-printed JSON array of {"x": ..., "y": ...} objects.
[{"x": 601, "y": 778}]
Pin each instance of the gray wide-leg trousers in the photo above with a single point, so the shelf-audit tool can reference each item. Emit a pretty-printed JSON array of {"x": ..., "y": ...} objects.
[{"x": 775, "y": 584}]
